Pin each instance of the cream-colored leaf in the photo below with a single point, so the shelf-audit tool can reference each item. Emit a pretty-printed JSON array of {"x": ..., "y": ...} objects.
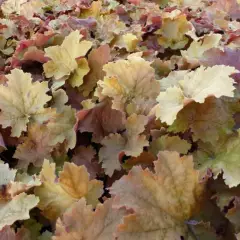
[
  {"x": 203, "y": 82},
  {"x": 12, "y": 6},
  {"x": 6, "y": 174},
  {"x": 170, "y": 103},
  {"x": 22, "y": 101},
  {"x": 63, "y": 58},
  {"x": 16, "y": 209},
  {"x": 14, "y": 183},
  {"x": 194, "y": 4},
  {"x": 88, "y": 104},
  {"x": 197, "y": 48},
  {"x": 22, "y": 183},
  {"x": 195, "y": 86},
  {"x": 29, "y": 8},
  {"x": 172, "y": 79},
  {"x": 128, "y": 81},
  {"x": 10, "y": 28},
  {"x": 27, "y": 180}
]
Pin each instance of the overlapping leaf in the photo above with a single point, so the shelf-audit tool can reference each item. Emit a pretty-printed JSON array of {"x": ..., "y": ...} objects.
[
  {"x": 15, "y": 204},
  {"x": 81, "y": 222},
  {"x": 195, "y": 86},
  {"x": 131, "y": 85},
  {"x": 209, "y": 121},
  {"x": 73, "y": 184},
  {"x": 63, "y": 58},
  {"x": 161, "y": 201},
  {"x": 222, "y": 158},
  {"x": 22, "y": 101},
  {"x": 130, "y": 143}
]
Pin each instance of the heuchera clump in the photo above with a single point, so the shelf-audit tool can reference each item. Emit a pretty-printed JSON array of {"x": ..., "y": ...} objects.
[{"x": 119, "y": 120}]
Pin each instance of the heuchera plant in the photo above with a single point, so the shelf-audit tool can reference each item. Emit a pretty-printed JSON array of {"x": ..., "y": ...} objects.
[{"x": 119, "y": 120}]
